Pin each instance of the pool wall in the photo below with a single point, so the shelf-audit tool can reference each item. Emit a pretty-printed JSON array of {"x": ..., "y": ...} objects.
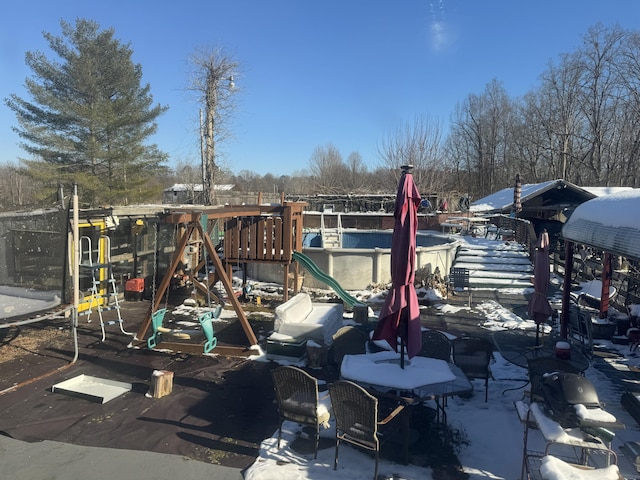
[{"x": 358, "y": 268}]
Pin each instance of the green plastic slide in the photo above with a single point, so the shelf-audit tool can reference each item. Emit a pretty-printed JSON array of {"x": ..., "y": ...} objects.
[{"x": 314, "y": 270}]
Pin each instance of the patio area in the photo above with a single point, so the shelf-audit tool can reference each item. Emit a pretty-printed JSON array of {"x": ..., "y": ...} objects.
[
  {"x": 219, "y": 409},
  {"x": 222, "y": 410}
]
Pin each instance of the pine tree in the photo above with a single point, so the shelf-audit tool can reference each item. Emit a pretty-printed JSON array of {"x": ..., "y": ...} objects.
[{"x": 89, "y": 117}]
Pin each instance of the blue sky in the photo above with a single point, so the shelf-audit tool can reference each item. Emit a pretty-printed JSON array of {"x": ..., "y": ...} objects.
[{"x": 345, "y": 72}]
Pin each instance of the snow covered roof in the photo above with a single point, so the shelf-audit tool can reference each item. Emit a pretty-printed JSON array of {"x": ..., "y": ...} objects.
[
  {"x": 610, "y": 223},
  {"x": 600, "y": 191},
  {"x": 502, "y": 200},
  {"x": 196, "y": 187}
]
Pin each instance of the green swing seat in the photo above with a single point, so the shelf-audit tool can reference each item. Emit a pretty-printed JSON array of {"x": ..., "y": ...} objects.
[
  {"x": 206, "y": 322},
  {"x": 156, "y": 322}
]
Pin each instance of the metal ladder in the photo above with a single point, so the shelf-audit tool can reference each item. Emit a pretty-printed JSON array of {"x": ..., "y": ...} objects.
[
  {"x": 96, "y": 268},
  {"x": 331, "y": 237}
]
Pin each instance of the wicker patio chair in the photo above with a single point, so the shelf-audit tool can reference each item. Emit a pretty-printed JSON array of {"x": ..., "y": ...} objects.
[
  {"x": 348, "y": 340},
  {"x": 356, "y": 415},
  {"x": 297, "y": 396},
  {"x": 473, "y": 356},
  {"x": 435, "y": 344}
]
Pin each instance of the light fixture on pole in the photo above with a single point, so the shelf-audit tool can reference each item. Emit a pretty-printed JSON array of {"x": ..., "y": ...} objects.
[{"x": 215, "y": 101}]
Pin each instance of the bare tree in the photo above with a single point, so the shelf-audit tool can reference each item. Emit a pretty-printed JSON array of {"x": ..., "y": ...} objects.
[
  {"x": 190, "y": 174},
  {"x": 601, "y": 96},
  {"x": 481, "y": 128},
  {"x": 17, "y": 189},
  {"x": 213, "y": 80},
  {"x": 357, "y": 170},
  {"x": 629, "y": 117},
  {"x": 418, "y": 144},
  {"x": 327, "y": 169}
]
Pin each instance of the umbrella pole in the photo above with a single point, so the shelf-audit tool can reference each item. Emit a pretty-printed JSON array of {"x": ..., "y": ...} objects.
[{"x": 404, "y": 328}]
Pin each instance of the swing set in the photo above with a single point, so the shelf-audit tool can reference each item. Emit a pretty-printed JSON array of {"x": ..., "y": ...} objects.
[
  {"x": 205, "y": 319},
  {"x": 252, "y": 234}
]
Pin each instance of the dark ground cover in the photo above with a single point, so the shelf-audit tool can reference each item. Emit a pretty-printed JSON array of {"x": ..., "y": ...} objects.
[{"x": 219, "y": 411}]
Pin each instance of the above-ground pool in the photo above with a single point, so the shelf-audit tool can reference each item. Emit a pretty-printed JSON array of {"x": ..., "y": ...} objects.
[
  {"x": 373, "y": 239},
  {"x": 358, "y": 259}
]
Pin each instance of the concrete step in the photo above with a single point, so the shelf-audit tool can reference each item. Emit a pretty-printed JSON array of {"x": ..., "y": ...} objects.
[
  {"x": 493, "y": 260},
  {"x": 495, "y": 267},
  {"x": 526, "y": 276},
  {"x": 487, "y": 253},
  {"x": 498, "y": 247},
  {"x": 479, "y": 282}
]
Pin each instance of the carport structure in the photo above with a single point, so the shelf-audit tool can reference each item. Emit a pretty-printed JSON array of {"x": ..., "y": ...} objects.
[{"x": 610, "y": 224}]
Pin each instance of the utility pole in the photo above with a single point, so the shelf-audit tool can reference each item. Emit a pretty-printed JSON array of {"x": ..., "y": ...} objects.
[{"x": 214, "y": 82}]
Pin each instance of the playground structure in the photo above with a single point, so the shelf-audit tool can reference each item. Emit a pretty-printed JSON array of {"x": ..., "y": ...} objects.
[{"x": 252, "y": 234}]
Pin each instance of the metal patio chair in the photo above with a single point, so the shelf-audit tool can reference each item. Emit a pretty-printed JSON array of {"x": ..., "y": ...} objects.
[
  {"x": 435, "y": 344},
  {"x": 473, "y": 356},
  {"x": 459, "y": 281},
  {"x": 540, "y": 366}
]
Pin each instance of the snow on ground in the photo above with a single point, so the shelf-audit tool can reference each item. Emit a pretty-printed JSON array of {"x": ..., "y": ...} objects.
[{"x": 490, "y": 435}]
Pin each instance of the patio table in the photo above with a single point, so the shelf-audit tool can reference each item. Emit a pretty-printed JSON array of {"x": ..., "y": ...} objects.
[
  {"x": 420, "y": 380},
  {"x": 519, "y": 346}
]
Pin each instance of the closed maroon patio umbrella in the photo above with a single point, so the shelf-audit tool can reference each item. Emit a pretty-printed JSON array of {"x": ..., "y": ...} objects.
[
  {"x": 400, "y": 313},
  {"x": 539, "y": 308}
]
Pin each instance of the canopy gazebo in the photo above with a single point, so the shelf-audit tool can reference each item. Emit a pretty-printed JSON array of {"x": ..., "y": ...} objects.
[{"x": 610, "y": 224}]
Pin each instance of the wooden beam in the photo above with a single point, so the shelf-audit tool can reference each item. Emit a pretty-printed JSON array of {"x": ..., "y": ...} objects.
[
  {"x": 202, "y": 288},
  {"x": 198, "y": 349},
  {"x": 226, "y": 281}
]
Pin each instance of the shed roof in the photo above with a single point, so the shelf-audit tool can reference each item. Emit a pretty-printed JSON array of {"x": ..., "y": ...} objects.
[
  {"x": 610, "y": 223},
  {"x": 196, "y": 187},
  {"x": 502, "y": 200}
]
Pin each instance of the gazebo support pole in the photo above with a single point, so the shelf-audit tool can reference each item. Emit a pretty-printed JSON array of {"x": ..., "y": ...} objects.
[{"x": 566, "y": 288}]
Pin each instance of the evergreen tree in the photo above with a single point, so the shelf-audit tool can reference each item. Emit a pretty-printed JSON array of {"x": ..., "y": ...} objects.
[{"x": 89, "y": 117}]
